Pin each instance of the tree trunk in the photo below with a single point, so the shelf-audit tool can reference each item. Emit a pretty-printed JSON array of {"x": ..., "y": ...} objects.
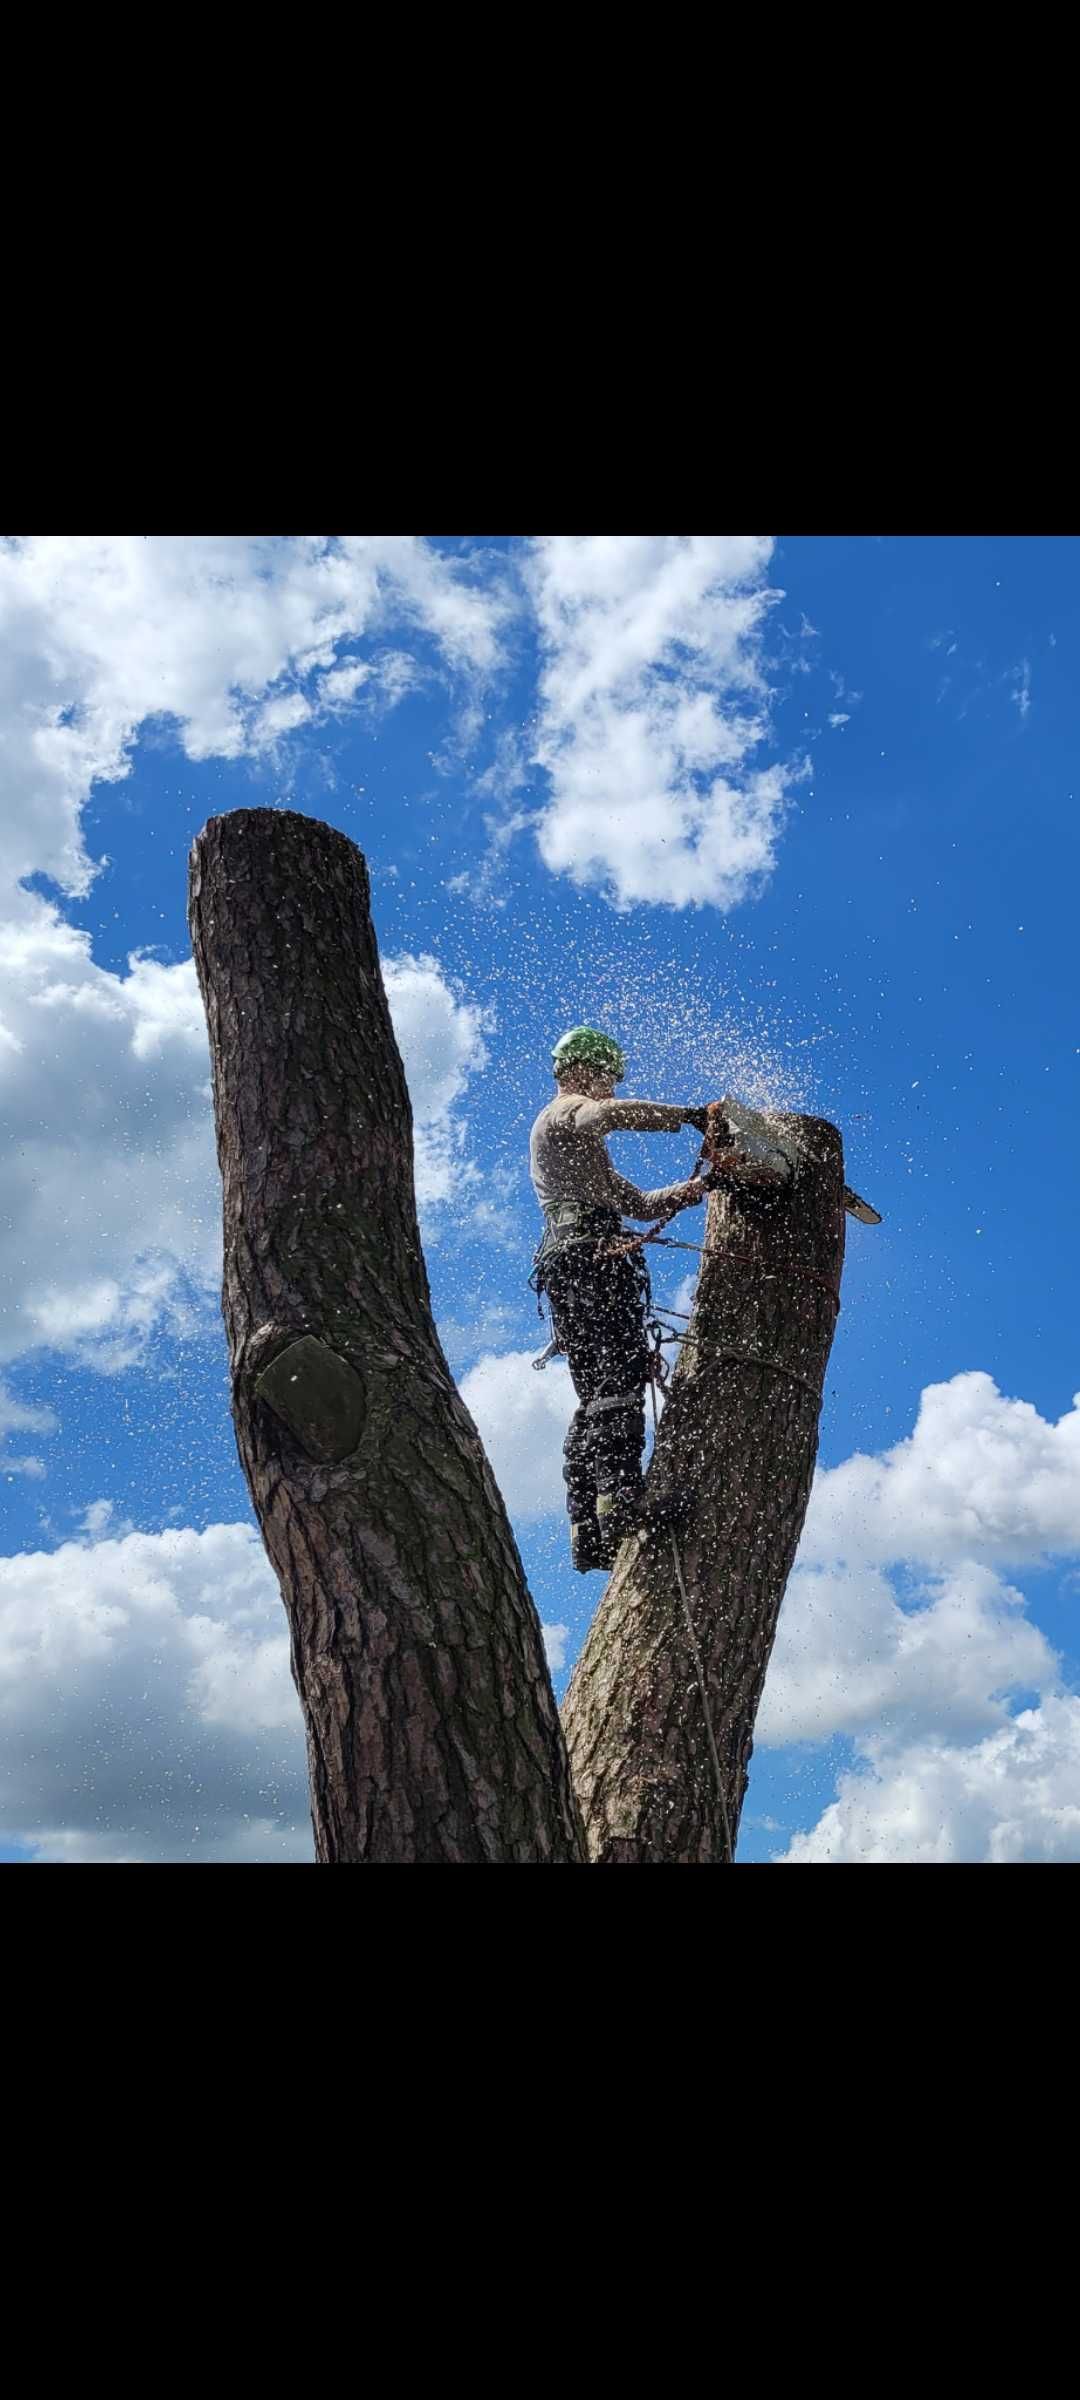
[
  {"x": 432, "y": 1730},
  {"x": 736, "y": 1446}
]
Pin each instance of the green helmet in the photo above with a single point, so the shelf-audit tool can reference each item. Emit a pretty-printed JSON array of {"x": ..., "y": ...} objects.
[{"x": 585, "y": 1046}]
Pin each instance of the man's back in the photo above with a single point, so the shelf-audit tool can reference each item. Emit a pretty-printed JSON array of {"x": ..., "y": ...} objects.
[
  {"x": 568, "y": 1157},
  {"x": 567, "y": 1162}
]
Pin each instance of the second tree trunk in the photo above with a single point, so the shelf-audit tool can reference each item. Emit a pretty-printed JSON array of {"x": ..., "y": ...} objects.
[{"x": 735, "y": 1450}]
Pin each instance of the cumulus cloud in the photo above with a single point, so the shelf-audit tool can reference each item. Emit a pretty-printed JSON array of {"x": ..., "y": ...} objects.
[
  {"x": 900, "y": 1632},
  {"x": 384, "y": 679},
  {"x": 14, "y": 1412},
  {"x": 113, "y": 1222},
  {"x": 521, "y": 1418},
  {"x": 227, "y": 636},
  {"x": 1013, "y": 1796},
  {"x": 147, "y": 1710},
  {"x": 440, "y": 1036},
  {"x": 23, "y": 1417},
  {"x": 852, "y": 1657},
  {"x": 652, "y": 703},
  {"x": 278, "y": 717},
  {"x": 489, "y": 1322},
  {"x": 146, "y": 1702},
  {"x": 981, "y": 1476}
]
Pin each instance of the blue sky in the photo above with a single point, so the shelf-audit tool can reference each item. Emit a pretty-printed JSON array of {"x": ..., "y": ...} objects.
[{"x": 796, "y": 818}]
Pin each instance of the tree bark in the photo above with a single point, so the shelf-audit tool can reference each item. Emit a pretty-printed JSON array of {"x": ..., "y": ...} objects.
[
  {"x": 735, "y": 1447},
  {"x": 432, "y": 1729}
]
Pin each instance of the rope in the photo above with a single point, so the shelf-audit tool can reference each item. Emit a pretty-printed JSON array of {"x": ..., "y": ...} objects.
[
  {"x": 729, "y": 1852},
  {"x": 745, "y": 1358},
  {"x": 737, "y": 1258},
  {"x": 695, "y": 1653}
]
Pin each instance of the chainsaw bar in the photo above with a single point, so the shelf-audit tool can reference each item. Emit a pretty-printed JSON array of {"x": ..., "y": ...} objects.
[{"x": 860, "y": 1208}]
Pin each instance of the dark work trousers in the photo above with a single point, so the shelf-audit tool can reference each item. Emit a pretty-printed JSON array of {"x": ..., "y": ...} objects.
[{"x": 598, "y": 1318}]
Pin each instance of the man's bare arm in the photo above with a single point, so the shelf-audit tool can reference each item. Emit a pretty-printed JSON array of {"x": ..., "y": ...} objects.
[
  {"x": 665, "y": 1202},
  {"x": 630, "y": 1116}
]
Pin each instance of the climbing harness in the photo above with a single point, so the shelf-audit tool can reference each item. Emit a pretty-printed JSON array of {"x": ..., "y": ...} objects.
[
  {"x": 567, "y": 1224},
  {"x": 618, "y": 1400},
  {"x": 570, "y": 1225}
]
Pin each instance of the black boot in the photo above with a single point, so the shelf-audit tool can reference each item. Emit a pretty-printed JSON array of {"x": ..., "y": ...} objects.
[
  {"x": 585, "y": 1546},
  {"x": 617, "y": 1514}
]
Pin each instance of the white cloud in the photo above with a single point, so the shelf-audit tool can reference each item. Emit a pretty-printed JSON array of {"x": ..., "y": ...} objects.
[
  {"x": 100, "y": 633},
  {"x": 440, "y": 1037},
  {"x": 521, "y": 1417},
  {"x": 981, "y": 1476},
  {"x": 493, "y": 1217},
  {"x": 556, "y": 1638},
  {"x": 851, "y": 1657},
  {"x": 463, "y": 1338},
  {"x": 258, "y": 1841},
  {"x": 384, "y": 679},
  {"x": 20, "y": 1416},
  {"x": 113, "y": 1218},
  {"x": 899, "y": 1631},
  {"x": 652, "y": 701},
  {"x": 337, "y": 689},
  {"x": 278, "y": 717},
  {"x": 146, "y": 1705},
  {"x": 147, "y": 1710},
  {"x": 165, "y": 1006},
  {"x": 839, "y": 716},
  {"x": 1021, "y": 692},
  {"x": 96, "y": 1522},
  {"x": 1013, "y": 1796}
]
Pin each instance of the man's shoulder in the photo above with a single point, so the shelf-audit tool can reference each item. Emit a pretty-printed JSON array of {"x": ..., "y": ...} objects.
[{"x": 557, "y": 1111}]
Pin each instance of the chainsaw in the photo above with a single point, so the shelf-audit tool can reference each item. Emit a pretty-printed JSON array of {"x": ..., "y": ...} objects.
[{"x": 724, "y": 1141}]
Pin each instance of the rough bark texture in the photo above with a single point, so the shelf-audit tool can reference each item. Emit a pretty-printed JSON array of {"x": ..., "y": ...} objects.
[
  {"x": 738, "y": 1438},
  {"x": 431, "y": 1725}
]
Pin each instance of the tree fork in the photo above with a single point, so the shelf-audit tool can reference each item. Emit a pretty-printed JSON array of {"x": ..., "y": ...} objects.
[
  {"x": 734, "y": 1458},
  {"x": 432, "y": 1730}
]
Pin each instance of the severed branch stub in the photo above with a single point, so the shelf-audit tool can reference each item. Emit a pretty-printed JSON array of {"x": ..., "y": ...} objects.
[
  {"x": 317, "y": 1395},
  {"x": 416, "y": 1648}
]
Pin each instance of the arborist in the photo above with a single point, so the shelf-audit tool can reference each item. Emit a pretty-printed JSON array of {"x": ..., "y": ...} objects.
[{"x": 598, "y": 1294}]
